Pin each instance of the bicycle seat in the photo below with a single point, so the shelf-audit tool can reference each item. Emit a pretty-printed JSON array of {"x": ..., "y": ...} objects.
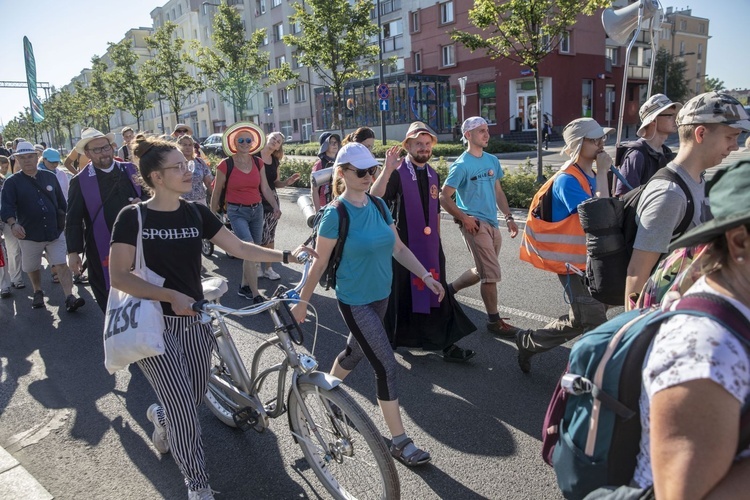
[{"x": 214, "y": 288}]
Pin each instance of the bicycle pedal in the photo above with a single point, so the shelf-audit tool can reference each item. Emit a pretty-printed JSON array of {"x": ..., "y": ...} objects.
[{"x": 245, "y": 418}]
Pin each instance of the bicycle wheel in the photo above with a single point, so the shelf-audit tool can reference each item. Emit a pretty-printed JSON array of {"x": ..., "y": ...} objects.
[
  {"x": 353, "y": 461},
  {"x": 217, "y": 401}
]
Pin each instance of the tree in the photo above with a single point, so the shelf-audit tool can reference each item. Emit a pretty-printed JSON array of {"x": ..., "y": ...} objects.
[
  {"x": 20, "y": 126},
  {"x": 165, "y": 73},
  {"x": 99, "y": 100},
  {"x": 714, "y": 85},
  {"x": 524, "y": 31},
  {"x": 125, "y": 83},
  {"x": 334, "y": 41},
  {"x": 53, "y": 119},
  {"x": 66, "y": 103},
  {"x": 235, "y": 67},
  {"x": 676, "y": 87}
]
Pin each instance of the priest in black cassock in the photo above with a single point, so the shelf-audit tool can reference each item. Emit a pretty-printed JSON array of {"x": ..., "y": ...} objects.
[{"x": 411, "y": 187}]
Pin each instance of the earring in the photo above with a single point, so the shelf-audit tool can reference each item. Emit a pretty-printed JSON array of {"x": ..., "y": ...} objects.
[{"x": 740, "y": 259}]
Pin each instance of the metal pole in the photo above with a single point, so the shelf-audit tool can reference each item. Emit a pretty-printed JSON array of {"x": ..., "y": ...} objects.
[
  {"x": 623, "y": 91},
  {"x": 380, "y": 70}
]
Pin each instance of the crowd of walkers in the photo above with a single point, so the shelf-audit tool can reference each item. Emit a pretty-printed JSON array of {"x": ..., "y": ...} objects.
[{"x": 391, "y": 284}]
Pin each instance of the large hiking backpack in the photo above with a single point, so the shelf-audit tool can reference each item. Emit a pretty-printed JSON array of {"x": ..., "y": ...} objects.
[
  {"x": 610, "y": 226},
  {"x": 328, "y": 278},
  {"x": 592, "y": 430}
]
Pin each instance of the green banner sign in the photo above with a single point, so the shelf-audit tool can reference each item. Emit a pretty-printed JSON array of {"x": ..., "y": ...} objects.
[{"x": 37, "y": 110}]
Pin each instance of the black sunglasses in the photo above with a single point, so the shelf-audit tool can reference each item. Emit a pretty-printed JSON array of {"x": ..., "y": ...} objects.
[
  {"x": 181, "y": 130},
  {"x": 362, "y": 173}
]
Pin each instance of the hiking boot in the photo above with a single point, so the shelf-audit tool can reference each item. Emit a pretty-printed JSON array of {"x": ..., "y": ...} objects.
[
  {"x": 72, "y": 303},
  {"x": 271, "y": 274},
  {"x": 38, "y": 300},
  {"x": 5, "y": 293},
  {"x": 503, "y": 329},
  {"x": 201, "y": 494},
  {"x": 524, "y": 354},
  {"x": 244, "y": 291},
  {"x": 159, "y": 437}
]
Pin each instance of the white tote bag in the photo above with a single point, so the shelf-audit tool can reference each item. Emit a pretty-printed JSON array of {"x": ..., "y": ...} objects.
[{"x": 133, "y": 327}]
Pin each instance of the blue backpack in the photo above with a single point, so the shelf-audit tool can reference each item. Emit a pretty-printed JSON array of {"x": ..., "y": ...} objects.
[{"x": 592, "y": 429}]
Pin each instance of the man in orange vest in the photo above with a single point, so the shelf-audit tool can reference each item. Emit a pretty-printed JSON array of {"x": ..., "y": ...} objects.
[{"x": 553, "y": 244}]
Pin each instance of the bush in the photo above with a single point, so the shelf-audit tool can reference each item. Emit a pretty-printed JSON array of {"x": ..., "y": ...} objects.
[
  {"x": 521, "y": 186},
  {"x": 289, "y": 166}
]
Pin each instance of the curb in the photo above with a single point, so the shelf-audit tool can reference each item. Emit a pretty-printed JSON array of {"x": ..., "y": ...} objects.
[{"x": 17, "y": 483}]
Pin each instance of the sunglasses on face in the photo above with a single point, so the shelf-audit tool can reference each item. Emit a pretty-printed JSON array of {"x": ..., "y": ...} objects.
[
  {"x": 243, "y": 140},
  {"x": 181, "y": 131},
  {"x": 362, "y": 173}
]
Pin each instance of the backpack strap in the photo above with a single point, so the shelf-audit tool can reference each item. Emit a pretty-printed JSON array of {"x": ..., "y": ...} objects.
[
  {"x": 380, "y": 204},
  {"x": 671, "y": 175},
  {"x": 723, "y": 312}
]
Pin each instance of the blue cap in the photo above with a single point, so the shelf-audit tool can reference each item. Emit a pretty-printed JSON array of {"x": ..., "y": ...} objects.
[{"x": 51, "y": 155}]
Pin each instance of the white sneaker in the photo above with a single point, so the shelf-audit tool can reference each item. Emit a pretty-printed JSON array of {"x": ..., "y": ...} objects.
[
  {"x": 201, "y": 494},
  {"x": 159, "y": 437},
  {"x": 271, "y": 274}
]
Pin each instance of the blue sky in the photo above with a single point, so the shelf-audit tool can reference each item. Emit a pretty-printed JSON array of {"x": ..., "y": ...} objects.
[{"x": 65, "y": 36}]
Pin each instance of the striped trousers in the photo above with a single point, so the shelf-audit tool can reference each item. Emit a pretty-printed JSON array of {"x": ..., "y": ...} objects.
[{"x": 180, "y": 378}]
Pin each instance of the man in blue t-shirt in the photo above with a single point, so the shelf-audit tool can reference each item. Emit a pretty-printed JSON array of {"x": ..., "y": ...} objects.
[{"x": 475, "y": 179}]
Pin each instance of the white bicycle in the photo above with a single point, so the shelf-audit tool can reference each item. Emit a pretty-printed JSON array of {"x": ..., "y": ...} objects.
[{"x": 338, "y": 439}]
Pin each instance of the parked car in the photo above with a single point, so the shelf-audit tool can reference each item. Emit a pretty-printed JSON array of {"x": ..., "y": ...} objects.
[{"x": 212, "y": 145}]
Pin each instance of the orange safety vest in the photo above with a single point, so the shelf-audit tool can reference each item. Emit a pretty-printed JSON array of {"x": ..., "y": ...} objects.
[{"x": 551, "y": 245}]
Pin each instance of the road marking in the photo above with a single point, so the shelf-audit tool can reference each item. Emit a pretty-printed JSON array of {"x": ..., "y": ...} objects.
[
  {"x": 38, "y": 432},
  {"x": 506, "y": 310}
]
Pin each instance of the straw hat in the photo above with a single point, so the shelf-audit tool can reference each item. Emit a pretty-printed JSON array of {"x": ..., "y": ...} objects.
[{"x": 230, "y": 135}]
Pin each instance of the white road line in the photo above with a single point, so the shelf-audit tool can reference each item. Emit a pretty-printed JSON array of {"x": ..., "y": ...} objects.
[{"x": 506, "y": 310}]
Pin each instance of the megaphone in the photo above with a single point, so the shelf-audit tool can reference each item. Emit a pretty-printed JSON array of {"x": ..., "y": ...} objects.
[{"x": 620, "y": 23}]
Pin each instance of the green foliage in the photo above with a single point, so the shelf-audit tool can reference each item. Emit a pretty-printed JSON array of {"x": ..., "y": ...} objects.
[
  {"x": 125, "y": 83},
  {"x": 714, "y": 85},
  {"x": 166, "y": 73},
  {"x": 93, "y": 101},
  {"x": 677, "y": 85},
  {"x": 524, "y": 31},
  {"x": 235, "y": 66},
  {"x": 20, "y": 126},
  {"x": 453, "y": 149},
  {"x": 521, "y": 185},
  {"x": 334, "y": 42},
  {"x": 289, "y": 166}
]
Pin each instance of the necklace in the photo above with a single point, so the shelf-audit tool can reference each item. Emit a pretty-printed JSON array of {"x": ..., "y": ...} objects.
[{"x": 360, "y": 204}]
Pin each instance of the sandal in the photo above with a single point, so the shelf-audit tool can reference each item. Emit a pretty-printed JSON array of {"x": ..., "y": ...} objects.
[
  {"x": 416, "y": 458},
  {"x": 455, "y": 354}
]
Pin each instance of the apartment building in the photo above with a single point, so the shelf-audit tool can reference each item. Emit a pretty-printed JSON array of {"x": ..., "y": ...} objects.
[{"x": 686, "y": 37}]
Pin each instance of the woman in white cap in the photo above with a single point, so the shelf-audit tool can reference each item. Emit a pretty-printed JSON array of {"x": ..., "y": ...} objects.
[
  {"x": 363, "y": 285},
  {"x": 695, "y": 401}
]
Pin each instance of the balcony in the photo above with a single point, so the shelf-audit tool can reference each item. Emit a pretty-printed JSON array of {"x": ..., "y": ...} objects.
[{"x": 638, "y": 72}]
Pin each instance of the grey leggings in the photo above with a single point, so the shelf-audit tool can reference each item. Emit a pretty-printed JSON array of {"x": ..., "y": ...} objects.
[{"x": 368, "y": 339}]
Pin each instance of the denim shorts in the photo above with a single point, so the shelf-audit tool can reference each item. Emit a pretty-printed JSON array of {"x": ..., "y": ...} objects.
[{"x": 247, "y": 222}]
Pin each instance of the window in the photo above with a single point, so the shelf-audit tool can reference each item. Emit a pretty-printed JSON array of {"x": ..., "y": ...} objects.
[
  {"x": 546, "y": 43},
  {"x": 260, "y": 7},
  {"x": 613, "y": 55},
  {"x": 275, "y": 3},
  {"x": 295, "y": 28},
  {"x": 283, "y": 96},
  {"x": 487, "y": 102},
  {"x": 698, "y": 71},
  {"x": 280, "y": 61},
  {"x": 448, "y": 55},
  {"x": 388, "y": 6},
  {"x": 268, "y": 100},
  {"x": 415, "y": 22},
  {"x": 393, "y": 36},
  {"x": 700, "y": 51},
  {"x": 265, "y": 37},
  {"x": 587, "y": 98},
  {"x": 417, "y": 59},
  {"x": 306, "y": 126},
  {"x": 179, "y": 9},
  {"x": 682, "y": 49},
  {"x": 278, "y": 32},
  {"x": 300, "y": 93},
  {"x": 285, "y": 127},
  {"x": 701, "y": 28},
  {"x": 565, "y": 43},
  {"x": 295, "y": 60},
  {"x": 446, "y": 12},
  {"x": 683, "y": 25}
]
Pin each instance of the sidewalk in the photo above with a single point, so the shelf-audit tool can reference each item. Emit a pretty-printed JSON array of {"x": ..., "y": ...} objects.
[{"x": 16, "y": 483}]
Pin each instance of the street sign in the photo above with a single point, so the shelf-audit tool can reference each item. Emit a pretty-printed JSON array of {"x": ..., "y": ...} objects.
[
  {"x": 384, "y": 92},
  {"x": 384, "y": 105},
  {"x": 526, "y": 72}
]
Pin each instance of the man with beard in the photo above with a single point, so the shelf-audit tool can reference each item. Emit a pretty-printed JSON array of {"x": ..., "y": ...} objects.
[
  {"x": 97, "y": 194},
  {"x": 411, "y": 186}
]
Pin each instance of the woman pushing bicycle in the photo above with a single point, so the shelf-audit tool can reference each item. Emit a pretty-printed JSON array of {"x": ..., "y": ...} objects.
[
  {"x": 172, "y": 235},
  {"x": 363, "y": 285}
]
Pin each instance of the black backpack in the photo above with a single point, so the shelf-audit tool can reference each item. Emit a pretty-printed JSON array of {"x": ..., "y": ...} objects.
[
  {"x": 610, "y": 226},
  {"x": 328, "y": 278}
]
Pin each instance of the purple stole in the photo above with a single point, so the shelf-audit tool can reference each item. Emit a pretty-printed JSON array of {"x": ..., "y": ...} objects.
[
  {"x": 424, "y": 241},
  {"x": 92, "y": 198}
]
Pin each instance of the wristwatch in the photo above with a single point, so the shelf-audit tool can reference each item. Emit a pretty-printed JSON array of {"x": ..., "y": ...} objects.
[{"x": 285, "y": 255}]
